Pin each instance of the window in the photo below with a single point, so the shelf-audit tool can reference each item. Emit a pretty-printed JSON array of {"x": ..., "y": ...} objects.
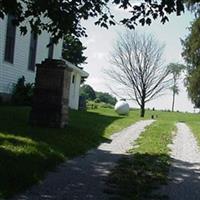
[
  {"x": 51, "y": 48},
  {"x": 10, "y": 40},
  {"x": 32, "y": 52},
  {"x": 73, "y": 78}
]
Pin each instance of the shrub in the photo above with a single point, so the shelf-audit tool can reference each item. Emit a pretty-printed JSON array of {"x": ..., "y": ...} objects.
[
  {"x": 22, "y": 92},
  {"x": 94, "y": 105},
  {"x": 97, "y": 100},
  {"x": 91, "y": 105},
  {"x": 106, "y": 98},
  {"x": 105, "y": 105}
]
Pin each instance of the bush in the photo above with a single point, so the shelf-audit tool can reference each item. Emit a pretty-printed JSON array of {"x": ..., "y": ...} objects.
[
  {"x": 105, "y": 105},
  {"x": 22, "y": 92},
  {"x": 91, "y": 95},
  {"x": 97, "y": 100},
  {"x": 94, "y": 105},
  {"x": 106, "y": 98},
  {"x": 91, "y": 105}
]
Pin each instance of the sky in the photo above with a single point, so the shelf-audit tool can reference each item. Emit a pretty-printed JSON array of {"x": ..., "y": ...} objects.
[{"x": 100, "y": 43}]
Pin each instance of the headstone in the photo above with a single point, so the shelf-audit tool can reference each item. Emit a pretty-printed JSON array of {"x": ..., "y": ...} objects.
[{"x": 51, "y": 94}]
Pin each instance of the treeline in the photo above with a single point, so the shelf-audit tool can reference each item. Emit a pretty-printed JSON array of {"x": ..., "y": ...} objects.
[{"x": 91, "y": 95}]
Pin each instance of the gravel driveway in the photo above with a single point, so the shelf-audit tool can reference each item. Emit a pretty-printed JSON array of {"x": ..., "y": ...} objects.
[
  {"x": 184, "y": 173},
  {"x": 83, "y": 178}
]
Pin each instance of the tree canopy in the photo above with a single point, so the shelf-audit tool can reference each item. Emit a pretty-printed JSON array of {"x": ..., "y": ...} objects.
[
  {"x": 65, "y": 17},
  {"x": 73, "y": 50},
  {"x": 88, "y": 92},
  {"x": 191, "y": 54},
  {"x": 106, "y": 98},
  {"x": 193, "y": 87},
  {"x": 191, "y": 47}
]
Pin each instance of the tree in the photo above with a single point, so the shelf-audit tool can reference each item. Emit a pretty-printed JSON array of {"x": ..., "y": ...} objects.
[
  {"x": 175, "y": 70},
  {"x": 191, "y": 54},
  {"x": 64, "y": 17},
  {"x": 73, "y": 50},
  {"x": 88, "y": 92},
  {"x": 191, "y": 47},
  {"x": 106, "y": 98},
  {"x": 193, "y": 87},
  {"x": 193, "y": 6},
  {"x": 137, "y": 66}
]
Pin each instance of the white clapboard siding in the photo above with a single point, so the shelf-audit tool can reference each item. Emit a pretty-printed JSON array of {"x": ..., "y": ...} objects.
[
  {"x": 74, "y": 90},
  {"x": 10, "y": 73}
]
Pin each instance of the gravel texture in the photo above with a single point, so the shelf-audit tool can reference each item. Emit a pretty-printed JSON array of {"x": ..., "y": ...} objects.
[
  {"x": 83, "y": 177},
  {"x": 184, "y": 175}
]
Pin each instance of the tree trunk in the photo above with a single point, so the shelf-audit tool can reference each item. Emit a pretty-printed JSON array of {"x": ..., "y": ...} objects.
[
  {"x": 142, "y": 110},
  {"x": 173, "y": 101}
]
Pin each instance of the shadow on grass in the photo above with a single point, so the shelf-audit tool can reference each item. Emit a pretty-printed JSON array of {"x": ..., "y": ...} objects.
[
  {"x": 147, "y": 177},
  {"x": 81, "y": 178},
  {"x": 142, "y": 177},
  {"x": 138, "y": 177},
  {"x": 26, "y": 153}
]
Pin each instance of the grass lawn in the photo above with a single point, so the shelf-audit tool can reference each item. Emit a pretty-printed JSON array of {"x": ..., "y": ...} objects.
[
  {"x": 27, "y": 153},
  {"x": 193, "y": 121},
  {"x": 136, "y": 177}
]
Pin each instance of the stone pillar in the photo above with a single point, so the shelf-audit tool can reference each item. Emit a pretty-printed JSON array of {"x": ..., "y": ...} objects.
[{"x": 51, "y": 95}]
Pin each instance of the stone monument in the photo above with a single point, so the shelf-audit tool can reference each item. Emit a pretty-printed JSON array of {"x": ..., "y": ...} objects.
[{"x": 51, "y": 94}]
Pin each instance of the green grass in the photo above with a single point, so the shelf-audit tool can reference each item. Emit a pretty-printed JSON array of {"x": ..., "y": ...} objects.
[
  {"x": 27, "y": 153},
  {"x": 137, "y": 177},
  {"x": 193, "y": 121}
]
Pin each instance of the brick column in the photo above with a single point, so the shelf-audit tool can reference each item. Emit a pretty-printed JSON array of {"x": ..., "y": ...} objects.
[{"x": 51, "y": 95}]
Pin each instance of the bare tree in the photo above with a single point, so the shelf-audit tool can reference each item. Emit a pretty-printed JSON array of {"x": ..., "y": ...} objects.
[{"x": 138, "y": 66}]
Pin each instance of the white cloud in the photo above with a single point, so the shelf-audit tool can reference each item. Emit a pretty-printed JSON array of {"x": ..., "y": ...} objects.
[
  {"x": 97, "y": 83},
  {"x": 89, "y": 41},
  {"x": 99, "y": 55}
]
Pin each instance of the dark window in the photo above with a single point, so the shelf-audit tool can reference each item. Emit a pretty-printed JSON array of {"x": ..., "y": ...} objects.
[
  {"x": 32, "y": 52},
  {"x": 51, "y": 48},
  {"x": 73, "y": 78},
  {"x": 10, "y": 40}
]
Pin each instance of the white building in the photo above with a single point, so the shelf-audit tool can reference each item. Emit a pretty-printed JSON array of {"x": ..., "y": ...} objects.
[{"x": 19, "y": 54}]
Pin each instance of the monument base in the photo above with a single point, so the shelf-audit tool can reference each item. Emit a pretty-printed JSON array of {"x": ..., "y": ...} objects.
[{"x": 51, "y": 94}]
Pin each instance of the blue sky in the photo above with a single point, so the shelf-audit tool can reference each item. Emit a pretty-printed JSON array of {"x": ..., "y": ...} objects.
[{"x": 100, "y": 42}]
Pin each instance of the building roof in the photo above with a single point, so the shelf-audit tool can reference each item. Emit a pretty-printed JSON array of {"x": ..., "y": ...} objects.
[{"x": 77, "y": 69}]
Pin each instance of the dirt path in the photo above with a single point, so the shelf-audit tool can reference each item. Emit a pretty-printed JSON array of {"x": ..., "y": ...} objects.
[
  {"x": 184, "y": 173},
  {"x": 83, "y": 178}
]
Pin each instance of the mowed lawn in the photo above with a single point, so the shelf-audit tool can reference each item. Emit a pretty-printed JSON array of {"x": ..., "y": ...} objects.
[{"x": 27, "y": 153}]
